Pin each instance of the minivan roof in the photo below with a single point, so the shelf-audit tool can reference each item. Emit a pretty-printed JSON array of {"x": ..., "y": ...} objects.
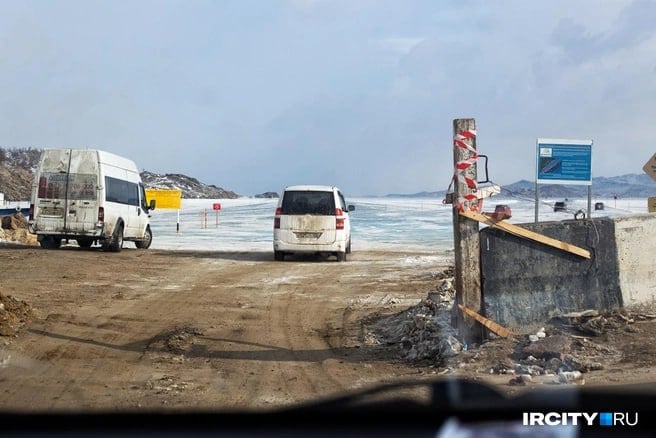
[
  {"x": 314, "y": 188},
  {"x": 103, "y": 156}
]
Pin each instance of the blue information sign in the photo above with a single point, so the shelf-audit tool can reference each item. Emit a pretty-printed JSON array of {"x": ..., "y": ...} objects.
[{"x": 564, "y": 161}]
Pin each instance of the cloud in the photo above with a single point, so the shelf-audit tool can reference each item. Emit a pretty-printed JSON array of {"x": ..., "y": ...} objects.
[
  {"x": 304, "y": 4},
  {"x": 360, "y": 94},
  {"x": 400, "y": 45},
  {"x": 632, "y": 27}
]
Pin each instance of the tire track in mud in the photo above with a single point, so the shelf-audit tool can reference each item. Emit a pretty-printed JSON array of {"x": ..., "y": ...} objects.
[
  {"x": 313, "y": 315},
  {"x": 303, "y": 343},
  {"x": 73, "y": 354},
  {"x": 278, "y": 377},
  {"x": 298, "y": 371},
  {"x": 263, "y": 333}
]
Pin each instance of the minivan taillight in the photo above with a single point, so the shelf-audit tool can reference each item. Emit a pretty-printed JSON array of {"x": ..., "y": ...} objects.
[
  {"x": 276, "y": 220},
  {"x": 43, "y": 182},
  {"x": 101, "y": 214},
  {"x": 339, "y": 220}
]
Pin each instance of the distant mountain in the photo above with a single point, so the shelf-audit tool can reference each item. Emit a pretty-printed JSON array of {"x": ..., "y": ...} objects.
[
  {"x": 527, "y": 189},
  {"x": 624, "y": 186},
  {"x": 417, "y": 195},
  {"x": 268, "y": 195},
  {"x": 191, "y": 187},
  {"x": 17, "y": 167}
]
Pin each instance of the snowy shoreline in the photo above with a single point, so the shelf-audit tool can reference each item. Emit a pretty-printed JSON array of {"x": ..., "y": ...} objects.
[{"x": 379, "y": 224}]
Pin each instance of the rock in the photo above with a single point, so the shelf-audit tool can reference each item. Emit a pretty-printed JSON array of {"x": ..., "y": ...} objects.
[
  {"x": 505, "y": 366},
  {"x": 370, "y": 339},
  {"x": 268, "y": 195},
  {"x": 533, "y": 338},
  {"x": 627, "y": 319},
  {"x": 582, "y": 365},
  {"x": 450, "y": 346},
  {"x": 14, "y": 222},
  {"x": 422, "y": 332},
  {"x": 554, "y": 365},
  {"x": 420, "y": 321},
  {"x": 594, "y": 326},
  {"x": 531, "y": 370},
  {"x": 526, "y": 378},
  {"x": 521, "y": 380},
  {"x": 569, "y": 376},
  {"x": 15, "y": 314},
  {"x": 550, "y": 347},
  {"x": 4, "y": 360}
]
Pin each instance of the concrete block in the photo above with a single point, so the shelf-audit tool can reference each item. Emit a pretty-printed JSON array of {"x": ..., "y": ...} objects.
[
  {"x": 525, "y": 282},
  {"x": 636, "y": 251}
]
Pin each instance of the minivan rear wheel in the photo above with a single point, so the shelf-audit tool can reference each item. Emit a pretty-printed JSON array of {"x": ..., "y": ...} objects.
[
  {"x": 279, "y": 256},
  {"x": 50, "y": 242},
  {"x": 116, "y": 242},
  {"x": 147, "y": 240},
  {"x": 341, "y": 256}
]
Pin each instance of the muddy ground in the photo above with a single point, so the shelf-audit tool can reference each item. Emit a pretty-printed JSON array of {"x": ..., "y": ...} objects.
[{"x": 152, "y": 329}]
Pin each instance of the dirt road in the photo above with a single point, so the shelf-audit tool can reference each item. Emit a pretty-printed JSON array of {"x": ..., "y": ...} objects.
[
  {"x": 218, "y": 330},
  {"x": 152, "y": 329}
]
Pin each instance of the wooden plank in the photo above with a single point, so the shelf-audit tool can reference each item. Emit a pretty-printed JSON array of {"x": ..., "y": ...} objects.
[
  {"x": 493, "y": 326},
  {"x": 523, "y": 232}
]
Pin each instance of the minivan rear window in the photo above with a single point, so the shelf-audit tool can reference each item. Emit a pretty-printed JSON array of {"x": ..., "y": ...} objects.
[
  {"x": 81, "y": 186},
  {"x": 308, "y": 202}
]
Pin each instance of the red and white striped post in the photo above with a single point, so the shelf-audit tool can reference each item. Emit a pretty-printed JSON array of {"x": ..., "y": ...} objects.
[{"x": 465, "y": 231}]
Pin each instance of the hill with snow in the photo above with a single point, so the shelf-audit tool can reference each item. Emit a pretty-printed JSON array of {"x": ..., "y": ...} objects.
[{"x": 17, "y": 167}]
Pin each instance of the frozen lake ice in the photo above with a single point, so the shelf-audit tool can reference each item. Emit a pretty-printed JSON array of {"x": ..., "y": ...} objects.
[{"x": 392, "y": 224}]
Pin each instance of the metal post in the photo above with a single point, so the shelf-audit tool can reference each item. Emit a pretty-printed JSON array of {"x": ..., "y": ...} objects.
[
  {"x": 537, "y": 185},
  {"x": 466, "y": 241},
  {"x": 537, "y": 201},
  {"x": 589, "y": 201}
]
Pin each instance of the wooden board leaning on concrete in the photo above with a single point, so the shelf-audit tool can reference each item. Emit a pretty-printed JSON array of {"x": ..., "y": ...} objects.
[
  {"x": 523, "y": 232},
  {"x": 487, "y": 322}
]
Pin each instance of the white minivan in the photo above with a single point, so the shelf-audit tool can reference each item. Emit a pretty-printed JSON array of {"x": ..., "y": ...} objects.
[
  {"x": 312, "y": 219},
  {"x": 89, "y": 196}
]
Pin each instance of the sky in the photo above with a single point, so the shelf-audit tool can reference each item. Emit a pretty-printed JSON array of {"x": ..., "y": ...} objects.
[{"x": 255, "y": 95}]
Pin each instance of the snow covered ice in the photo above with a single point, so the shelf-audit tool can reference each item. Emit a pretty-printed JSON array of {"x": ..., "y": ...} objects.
[{"x": 387, "y": 224}]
